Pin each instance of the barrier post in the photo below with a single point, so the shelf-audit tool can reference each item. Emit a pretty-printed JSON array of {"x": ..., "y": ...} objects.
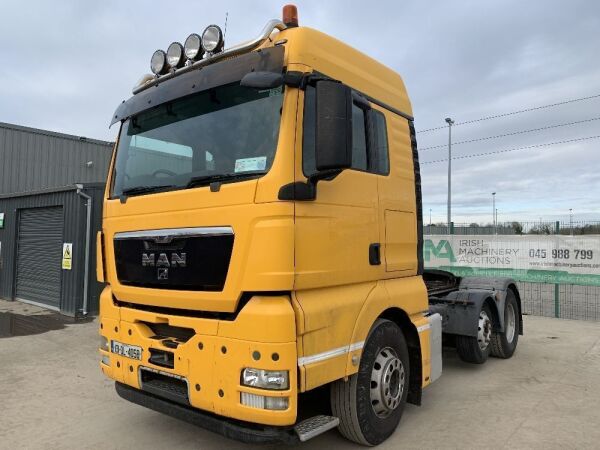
[{"x": 556, "y": 286}]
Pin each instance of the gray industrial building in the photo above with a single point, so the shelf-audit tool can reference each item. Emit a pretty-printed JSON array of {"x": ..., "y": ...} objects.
[{"x": 51, "y": 190}]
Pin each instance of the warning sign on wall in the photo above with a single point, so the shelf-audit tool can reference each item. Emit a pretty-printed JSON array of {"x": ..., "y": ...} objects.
[{"x": 67, "y": 256}]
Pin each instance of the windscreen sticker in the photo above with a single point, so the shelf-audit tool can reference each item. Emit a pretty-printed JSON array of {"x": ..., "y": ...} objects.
[{"x": 248, "y": 164}]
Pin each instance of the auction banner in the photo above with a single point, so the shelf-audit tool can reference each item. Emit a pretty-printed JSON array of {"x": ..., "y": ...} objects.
[{"x": 534, "y": 258}]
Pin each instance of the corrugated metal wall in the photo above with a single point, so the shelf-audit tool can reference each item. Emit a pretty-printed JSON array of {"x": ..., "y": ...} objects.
[
  {"x": 74, "y": 209},
  {"x": 31, "y": 159}
]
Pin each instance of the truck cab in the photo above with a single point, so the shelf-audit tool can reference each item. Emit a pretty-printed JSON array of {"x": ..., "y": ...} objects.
[{"x": 262, "y": 238}]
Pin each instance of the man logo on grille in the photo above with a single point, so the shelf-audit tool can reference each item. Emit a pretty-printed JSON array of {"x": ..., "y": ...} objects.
[
  {"x": 163, "y": 273},
  {"x": 177, "y": 260}
]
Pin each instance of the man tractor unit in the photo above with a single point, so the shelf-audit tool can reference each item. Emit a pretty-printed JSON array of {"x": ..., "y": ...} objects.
[{"x": 262, "y": 240}]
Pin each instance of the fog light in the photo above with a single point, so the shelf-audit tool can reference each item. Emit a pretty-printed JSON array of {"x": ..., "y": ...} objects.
[
  {"x": 276, "y": 403},
  {"x": 104, "y": 344},
  {"x": 193, "y": 47},
  {"x": 158, "y": 62},
  {"x": 175, "y": 55},
  {"x": 212, "y": 39},
  {"x": 106, "y": 360},
  {"x": 263, "y": 402},
  {"x": 266, "y": 379}
]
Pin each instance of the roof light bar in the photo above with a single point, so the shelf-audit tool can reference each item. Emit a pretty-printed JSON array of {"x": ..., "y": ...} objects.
[{"x": 216, "y": 55}]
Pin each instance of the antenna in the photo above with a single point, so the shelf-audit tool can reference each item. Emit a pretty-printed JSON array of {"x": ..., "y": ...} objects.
[{"x": 225, "y": 32}]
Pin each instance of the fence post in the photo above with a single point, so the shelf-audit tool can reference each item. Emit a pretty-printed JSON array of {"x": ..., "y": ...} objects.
[
  {"x": 556, "y": 286},
  {"x": 451, "y": 227}
]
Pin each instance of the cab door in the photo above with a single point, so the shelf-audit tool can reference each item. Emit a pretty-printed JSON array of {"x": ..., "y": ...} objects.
[
  {"x": 336, "y": 232},
  {"x": 397, "y": 197}
]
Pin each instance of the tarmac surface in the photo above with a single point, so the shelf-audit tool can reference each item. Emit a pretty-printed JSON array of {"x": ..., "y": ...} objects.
[{"x": 53, "y": 395}]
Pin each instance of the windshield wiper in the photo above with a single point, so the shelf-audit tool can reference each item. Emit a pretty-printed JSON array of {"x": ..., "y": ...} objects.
[
  {"x": 204, "y": 180},
  {"x": 138, "y": 190}
]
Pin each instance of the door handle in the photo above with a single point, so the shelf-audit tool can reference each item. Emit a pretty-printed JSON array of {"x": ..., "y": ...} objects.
[{"x": 375, "y": 254}]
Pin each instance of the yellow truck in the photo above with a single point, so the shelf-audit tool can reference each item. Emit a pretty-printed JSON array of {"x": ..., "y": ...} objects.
[{"x": 261, "y": 244}]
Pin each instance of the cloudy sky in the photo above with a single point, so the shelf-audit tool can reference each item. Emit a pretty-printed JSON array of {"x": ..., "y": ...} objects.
[{"x": 67, "y": 64}]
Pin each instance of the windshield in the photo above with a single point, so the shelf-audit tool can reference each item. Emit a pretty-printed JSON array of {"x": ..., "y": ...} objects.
[{"x": 224, "y": 134}]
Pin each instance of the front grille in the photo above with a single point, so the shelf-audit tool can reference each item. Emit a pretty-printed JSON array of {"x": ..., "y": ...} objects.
[
  {"x": 169, "y": 387},
  {"x": 186, "y": 259}
]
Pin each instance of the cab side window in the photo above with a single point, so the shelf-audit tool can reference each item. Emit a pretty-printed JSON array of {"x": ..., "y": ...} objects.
[
  {"x": 380, "y": 160},
  {"x": 359, "y": 139},
  {"x": 369, "y": 138}
]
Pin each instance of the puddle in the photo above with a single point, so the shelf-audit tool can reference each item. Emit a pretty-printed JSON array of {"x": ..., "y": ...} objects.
[{"x": 13, "y": 324}]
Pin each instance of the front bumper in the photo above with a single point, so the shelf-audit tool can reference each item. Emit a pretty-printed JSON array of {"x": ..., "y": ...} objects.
[
  {"x": 233, "y": 429},
  {"x": 212, "y": 359}
]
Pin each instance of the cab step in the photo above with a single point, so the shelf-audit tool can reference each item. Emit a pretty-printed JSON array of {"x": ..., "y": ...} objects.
[{"x": 314, "y": 426}]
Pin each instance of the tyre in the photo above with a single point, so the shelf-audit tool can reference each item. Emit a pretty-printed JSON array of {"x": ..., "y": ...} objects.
[
  {"x": 504, "y": 344},
  {"x": 476, "y": 350},
  {"x": 370, "y": 404}
]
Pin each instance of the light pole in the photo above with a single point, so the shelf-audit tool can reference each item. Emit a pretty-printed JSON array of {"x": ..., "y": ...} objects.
[
  {"x": 450, "y": 122},
  {"x": 571, "y": 220},
  {"x": 429, "y": 218},
  {"x": 494, "y": 211}
]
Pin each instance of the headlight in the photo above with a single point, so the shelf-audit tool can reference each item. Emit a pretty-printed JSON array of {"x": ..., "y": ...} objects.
[
  {"x": 212, "y": 39},
  {"x": 175, "y": 55},
  {"x": 158, "y": 62},
  {"x": 104, "y": 343},
  {"x": 266, "y": 379},
  {"x": 193, "y": 47}
]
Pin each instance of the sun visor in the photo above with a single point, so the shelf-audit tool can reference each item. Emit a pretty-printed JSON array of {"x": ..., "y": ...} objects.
[{"x": 201, "y": 79}]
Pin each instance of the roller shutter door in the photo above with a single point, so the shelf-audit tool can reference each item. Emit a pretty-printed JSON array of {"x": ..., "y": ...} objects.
[{"x": 39, "y": 255}]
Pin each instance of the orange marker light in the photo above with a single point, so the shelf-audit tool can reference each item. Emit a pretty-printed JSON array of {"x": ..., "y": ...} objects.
[{"x": 290, "y": 15}]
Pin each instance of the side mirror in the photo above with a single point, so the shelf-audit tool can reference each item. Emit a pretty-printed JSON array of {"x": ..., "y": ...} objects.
[
  {"x": 262, "y": 80},
  {"x": 333, "y": 137}
]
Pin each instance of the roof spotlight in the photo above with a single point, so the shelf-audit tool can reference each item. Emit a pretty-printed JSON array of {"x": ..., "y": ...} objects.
[
  {"x": 193, "y": 47},
  {"x": 212, "y": 39},
  {"x": 175, "y": 57},
  {"x": 158, "y": 62}
]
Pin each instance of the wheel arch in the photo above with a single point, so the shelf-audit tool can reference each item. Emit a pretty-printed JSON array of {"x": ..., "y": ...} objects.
[
  {"x": 378, "y": 305},
  {"x": 494, "y": 308},
  {"x": 401, "y": 318},
  {"x": 515, "y": 290}
]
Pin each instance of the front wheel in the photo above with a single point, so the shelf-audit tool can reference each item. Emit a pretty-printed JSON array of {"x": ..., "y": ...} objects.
[{"x": 370, "y": 404}]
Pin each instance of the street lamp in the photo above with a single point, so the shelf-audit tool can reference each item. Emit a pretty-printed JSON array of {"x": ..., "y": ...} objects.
[
  {"x": 450, "y": 122},
  {"x": 494, "y": 211},
  {"x": 430, "y": 218},
  {"x": 571, "y": 220}
]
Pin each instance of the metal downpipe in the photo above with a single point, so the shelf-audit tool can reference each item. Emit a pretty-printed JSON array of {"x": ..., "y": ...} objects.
[{"x": 88, "y": 230}]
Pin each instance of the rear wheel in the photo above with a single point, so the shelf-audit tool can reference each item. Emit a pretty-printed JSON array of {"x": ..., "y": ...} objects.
[
  {"x": 476, "y": 349},
  {"x": 370, "y": 404},
  {"x": 504, "y": 344}
]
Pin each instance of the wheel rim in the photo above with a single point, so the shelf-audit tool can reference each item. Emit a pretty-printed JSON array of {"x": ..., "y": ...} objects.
[
  {"x": 387, "y": 382},
  {"x": 511, "y": 320},
  {"x": 484, "y": 330}
]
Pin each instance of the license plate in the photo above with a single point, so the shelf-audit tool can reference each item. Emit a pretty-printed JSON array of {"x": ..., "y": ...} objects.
[{"x": 130, "y": 351}]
